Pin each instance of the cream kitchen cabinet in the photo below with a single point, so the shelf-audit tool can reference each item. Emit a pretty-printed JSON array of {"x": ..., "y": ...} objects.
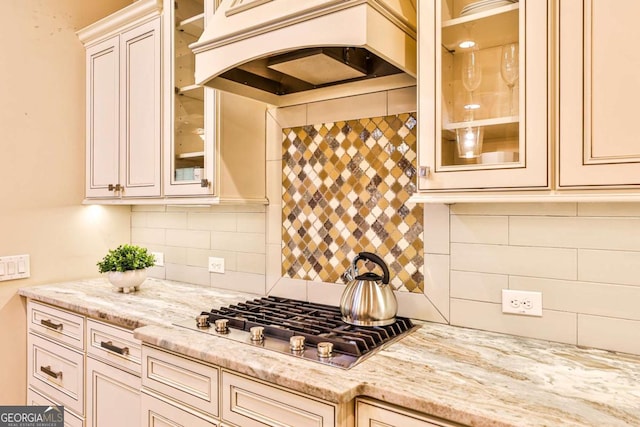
[
  {"x": 153, "y": 136},
  {"x": 175, "y": 386},
  {"x": 480, "y": 128},
  {"x": 123, "y": 88},
  {"x": 598, "y": 86},
  {"x": 372, "y": 413},
  {"x": 89, "y": 367},
  {"x": 112, "y": 376},
  {"x": 55, "y": 356},
  {"x": 214, "y": 143}
]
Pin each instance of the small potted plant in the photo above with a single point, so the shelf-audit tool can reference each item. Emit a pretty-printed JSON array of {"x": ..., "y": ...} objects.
[{"x": 126, "y": 267}]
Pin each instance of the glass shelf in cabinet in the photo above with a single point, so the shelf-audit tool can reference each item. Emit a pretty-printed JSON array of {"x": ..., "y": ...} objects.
[
  {"x": 508, "y": 120},
  {"x": 493, "y": 27}
]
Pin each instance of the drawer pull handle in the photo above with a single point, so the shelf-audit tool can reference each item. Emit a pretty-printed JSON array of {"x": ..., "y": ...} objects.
[
  {"x": 109, "y": 346},
  {"x": 47, "y": 370},
  {"x": 49, "y": 324}
]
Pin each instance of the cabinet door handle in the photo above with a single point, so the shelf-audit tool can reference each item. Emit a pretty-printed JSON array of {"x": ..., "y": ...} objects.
[
  {"x": 47, "y": 370},
  {"x": 49, "y": 324},
  {"x": 116, "y": 187},
  {"x": 109, "y": 346}
]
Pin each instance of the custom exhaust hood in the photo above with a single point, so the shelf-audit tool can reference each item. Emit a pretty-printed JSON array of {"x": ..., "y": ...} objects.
[{"x": 286, "y": 52}]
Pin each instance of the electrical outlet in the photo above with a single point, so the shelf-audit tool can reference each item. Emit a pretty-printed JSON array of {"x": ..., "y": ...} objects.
[
  {"x": 216, "y": 265},
  {"x": 159, "y": 257},
  {"x": 527, "y": 303}
]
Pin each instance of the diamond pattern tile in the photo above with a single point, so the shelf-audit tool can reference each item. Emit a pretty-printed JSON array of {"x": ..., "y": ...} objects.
[{"x": 345, "y": 189}]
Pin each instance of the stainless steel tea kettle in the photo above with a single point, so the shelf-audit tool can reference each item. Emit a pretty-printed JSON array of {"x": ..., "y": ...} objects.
[{"x": 368, "y": 299}]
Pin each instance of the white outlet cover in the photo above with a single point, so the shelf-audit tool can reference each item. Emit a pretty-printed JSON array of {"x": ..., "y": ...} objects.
[
  {"x": 526, "y": 303},
  {"x": 216, "y": 265}
]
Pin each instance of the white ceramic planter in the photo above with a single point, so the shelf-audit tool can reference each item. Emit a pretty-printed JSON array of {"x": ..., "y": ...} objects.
[{"x": 127, "y": 281}]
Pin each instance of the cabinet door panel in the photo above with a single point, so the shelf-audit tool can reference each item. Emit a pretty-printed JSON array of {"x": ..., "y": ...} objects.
[
  {"x": 516, "y": 141},
  {"x": 103, "y": 82},
  {"x": 114, "y": 396},
  {"x": 599, "y": 85},
  {"x": 140, "y": 115}
]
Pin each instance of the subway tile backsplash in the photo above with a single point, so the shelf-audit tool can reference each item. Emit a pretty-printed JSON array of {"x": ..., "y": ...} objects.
[
  {"x": 584, "y": 258},
  {"x": 188, "y": 236}
]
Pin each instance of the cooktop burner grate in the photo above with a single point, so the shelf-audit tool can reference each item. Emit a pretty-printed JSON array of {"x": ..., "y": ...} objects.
[{"x": 283, "y": 318}]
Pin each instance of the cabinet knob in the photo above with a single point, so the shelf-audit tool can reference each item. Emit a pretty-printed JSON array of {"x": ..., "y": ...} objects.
[
  {"x": 424, "y": 171},
  {"x": 204, "y": 183},
  {"x": 116, "y": 187}
]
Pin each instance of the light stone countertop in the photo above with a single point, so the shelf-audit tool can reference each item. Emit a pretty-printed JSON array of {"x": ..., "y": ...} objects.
[{"x": 472, "y": 377}]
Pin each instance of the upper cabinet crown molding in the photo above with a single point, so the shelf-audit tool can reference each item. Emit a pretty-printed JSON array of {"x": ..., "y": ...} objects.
[{"x": 115, "y": 23}]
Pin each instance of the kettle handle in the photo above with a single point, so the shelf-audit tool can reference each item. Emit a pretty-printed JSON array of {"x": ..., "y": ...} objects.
[{"x": 376, "y": 260}]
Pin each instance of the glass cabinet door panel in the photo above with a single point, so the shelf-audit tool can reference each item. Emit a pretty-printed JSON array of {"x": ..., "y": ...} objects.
[
  {"x": 480, "y": 69},
  {"x": 189, "y": 128}
]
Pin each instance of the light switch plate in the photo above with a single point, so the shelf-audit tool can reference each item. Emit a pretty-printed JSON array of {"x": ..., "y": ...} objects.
[{"x": 14, "y": 267}]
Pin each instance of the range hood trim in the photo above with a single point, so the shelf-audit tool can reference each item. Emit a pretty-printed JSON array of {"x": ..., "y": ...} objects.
[{"x": 362, "y": 23}]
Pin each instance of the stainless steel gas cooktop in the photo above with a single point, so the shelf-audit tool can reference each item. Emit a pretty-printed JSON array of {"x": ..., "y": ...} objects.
[{"x": 302, "y": 329}]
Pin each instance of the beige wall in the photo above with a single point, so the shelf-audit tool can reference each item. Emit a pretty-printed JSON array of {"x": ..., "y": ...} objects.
[{"x": 42, "y": 163}]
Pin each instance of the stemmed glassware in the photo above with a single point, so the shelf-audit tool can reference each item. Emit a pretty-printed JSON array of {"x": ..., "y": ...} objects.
[
  {"x": 469, "y": 139},
  {"x": 471, "y": 78},
  {"x": 510, "y": 69}
]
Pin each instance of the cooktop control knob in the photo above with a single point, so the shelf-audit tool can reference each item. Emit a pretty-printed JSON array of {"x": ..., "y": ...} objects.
[
  {"x": 296, "y": 343},
  {"x": 325, "y": 349},
  {"x": 202, "y": 321},
  {"x": 221, "y": 326},
  {"x": 257, "y": 333}
]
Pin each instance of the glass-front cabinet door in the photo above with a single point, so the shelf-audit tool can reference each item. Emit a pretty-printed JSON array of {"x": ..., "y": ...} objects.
[
  {"x": 483, "y": 95},
  {"x": 189, "y": 109}
]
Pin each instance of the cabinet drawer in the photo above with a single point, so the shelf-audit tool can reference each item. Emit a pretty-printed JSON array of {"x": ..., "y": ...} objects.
[
  {"x": 34, "y": 398},
  {"x": 249, "y": 403},
  {"x": 157, "y": 412},
  {"x": 114, "y": 345},
  {"x": 56, "y": 324},
  {"x": 57, "y": 371},
  {"x": 192, "y": 383},
  {"x": 370, "y": 413}
]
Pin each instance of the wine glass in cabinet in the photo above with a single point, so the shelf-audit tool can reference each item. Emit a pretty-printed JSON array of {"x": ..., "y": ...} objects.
[{"x": 480, "y": 97}]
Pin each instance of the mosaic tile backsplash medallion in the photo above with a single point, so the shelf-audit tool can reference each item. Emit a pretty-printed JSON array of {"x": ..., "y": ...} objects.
[{"x": 345, "y": 190}]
